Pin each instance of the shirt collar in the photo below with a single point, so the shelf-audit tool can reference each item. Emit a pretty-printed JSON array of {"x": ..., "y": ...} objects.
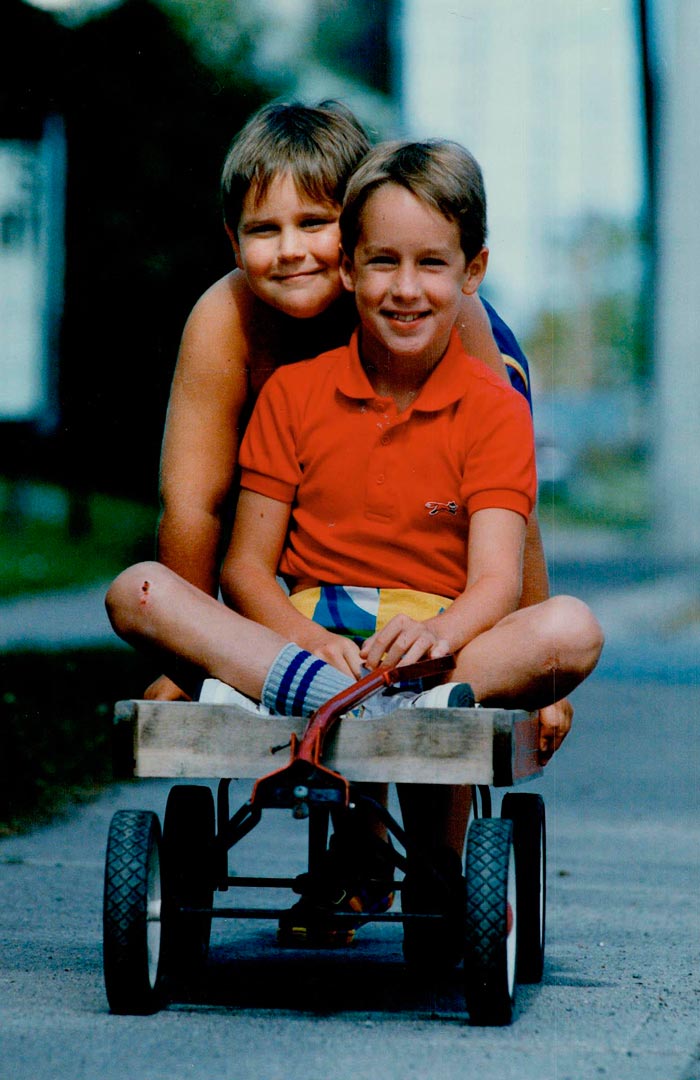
[{"x": 445, "y": 384}]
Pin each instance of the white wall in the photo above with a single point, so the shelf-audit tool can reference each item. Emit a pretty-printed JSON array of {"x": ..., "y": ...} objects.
[
  {"x": 677, "y": 353},
  {"x": 32, "y": 178},
  {"x": 545, "y": 94},
  {"x": 21, "y": 283}
]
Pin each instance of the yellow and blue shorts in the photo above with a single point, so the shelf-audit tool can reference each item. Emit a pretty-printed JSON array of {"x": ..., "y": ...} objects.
[{"x": 358, "y": 611}]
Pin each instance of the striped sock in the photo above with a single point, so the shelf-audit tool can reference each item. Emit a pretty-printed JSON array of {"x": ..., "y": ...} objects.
[{"x": 298, "y": 683}]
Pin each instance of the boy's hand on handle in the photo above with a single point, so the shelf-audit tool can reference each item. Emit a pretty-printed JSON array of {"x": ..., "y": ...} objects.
[
  {"x": 164, "y": 689},
  {"x": 403, "y": 641},
  {"x": 338, "y": 651},
  {"x": 555, "y": 724}
]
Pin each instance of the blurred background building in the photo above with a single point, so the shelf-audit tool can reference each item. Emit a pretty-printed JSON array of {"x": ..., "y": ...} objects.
[{"x": 115, "y": 118}]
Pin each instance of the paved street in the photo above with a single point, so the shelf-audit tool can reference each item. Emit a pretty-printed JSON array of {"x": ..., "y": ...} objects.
[{"x": 621, "y": 991}]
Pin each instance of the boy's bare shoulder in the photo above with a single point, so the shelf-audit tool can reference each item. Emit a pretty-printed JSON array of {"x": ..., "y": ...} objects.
[
  {"x": 217, "y": 330},
  {"x": 226, "y": 302}
]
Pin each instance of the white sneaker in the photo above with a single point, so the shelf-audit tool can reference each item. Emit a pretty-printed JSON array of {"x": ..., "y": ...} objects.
[
  {"x": 214, "y": 692},
  {"x": 385, "y": 702},
  {"x": 451, "y": 695},
  {"x": 446, "y": 696}
]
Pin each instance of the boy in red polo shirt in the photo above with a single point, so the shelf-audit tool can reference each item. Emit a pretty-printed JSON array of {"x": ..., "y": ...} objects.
[{"x": 390, "y": 481}]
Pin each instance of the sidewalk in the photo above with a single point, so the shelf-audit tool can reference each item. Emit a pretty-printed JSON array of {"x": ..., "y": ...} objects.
[
  {"x": 652, "y": 628},
  {"x": 648, "y": 608},
  {"x": 70, "y": 619}
]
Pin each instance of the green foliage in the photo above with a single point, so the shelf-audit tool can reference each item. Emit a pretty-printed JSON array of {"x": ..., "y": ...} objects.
[
  {"x": 611, "y": 491},
  {"x": 222, "y": 33},
  {"x": 39, "y": 548},
  {"x": 612, "y": 333},
  {"x": 598, "y": 334},
  {"x": 354, "y": 38}
]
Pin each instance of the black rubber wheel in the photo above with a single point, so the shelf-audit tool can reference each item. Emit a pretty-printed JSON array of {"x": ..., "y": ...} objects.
[
  {"x": 530, "y": 841},
  {"x": 490, "y": 924},
  {"x": 131, "y": 914},
  {"x": 188, "y": 874}
]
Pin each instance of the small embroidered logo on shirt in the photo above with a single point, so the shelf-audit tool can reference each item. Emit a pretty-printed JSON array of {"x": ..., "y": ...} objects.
[{"x": 439, "y": 507}]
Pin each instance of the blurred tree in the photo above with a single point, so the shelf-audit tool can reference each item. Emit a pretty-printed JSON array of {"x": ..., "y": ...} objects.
[
  {"x": 354, "y": 38},
  {"x": 147, "y": 126},
  {"x": 595, "y": 336},
  {"x": 30, "y": 83},
  {"x": 222, "y": 33}
]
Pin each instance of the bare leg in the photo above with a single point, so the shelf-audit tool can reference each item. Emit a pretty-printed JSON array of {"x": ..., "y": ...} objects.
[
  {"x": 151, "y": 607},
  {"x": 533, "y": 657}
]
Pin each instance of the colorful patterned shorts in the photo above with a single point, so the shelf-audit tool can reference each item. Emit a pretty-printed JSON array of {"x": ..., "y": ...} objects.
[{"x": 357, "y": 611}]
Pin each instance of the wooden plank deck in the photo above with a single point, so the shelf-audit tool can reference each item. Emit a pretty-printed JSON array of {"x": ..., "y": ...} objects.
[{"x": 496, "y": 747}]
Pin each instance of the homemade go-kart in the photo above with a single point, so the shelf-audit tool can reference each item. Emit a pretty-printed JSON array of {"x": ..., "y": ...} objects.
[{"x": 160, "y": 884}]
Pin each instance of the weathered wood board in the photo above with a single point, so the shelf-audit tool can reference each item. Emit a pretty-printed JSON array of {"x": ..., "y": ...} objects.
[{"x": 429, "y": 746}]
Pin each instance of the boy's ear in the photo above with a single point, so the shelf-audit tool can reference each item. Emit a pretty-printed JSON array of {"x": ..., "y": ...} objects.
[
  {"x": 347, "y": 271},
  {"x": 475, "y": 272}
]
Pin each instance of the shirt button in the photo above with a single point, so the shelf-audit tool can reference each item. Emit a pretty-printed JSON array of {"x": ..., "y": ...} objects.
[
  {"x": 380, "y": 478},
  {"x": 385, "y": 440}
]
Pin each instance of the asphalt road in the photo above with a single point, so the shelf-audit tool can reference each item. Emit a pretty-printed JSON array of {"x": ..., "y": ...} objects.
[{"x": 620, "y": 995}]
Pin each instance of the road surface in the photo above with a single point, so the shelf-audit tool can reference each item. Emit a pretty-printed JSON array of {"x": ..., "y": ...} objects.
[{"x": 621, "y": 991}]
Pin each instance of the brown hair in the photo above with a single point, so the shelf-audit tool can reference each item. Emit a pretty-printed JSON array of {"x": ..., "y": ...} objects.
[
  {"x": 441, "y": 173},
  {"x": 319, "y": 145}
]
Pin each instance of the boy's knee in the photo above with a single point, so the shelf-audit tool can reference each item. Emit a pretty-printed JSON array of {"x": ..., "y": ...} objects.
[
  {"x": 576, "y": 632},
  {"x": 129, "y": 594}
]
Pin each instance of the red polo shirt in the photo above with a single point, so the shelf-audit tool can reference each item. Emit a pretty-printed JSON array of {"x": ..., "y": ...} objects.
[{"x": 383, "y": 498}]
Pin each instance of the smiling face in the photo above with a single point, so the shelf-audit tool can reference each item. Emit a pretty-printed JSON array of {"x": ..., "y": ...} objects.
[
  {"x": 288, "y": 247},
  {"x": 408, "y": 273}
]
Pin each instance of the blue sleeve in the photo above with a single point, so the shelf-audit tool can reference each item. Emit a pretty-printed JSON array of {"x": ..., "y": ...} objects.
[{"x": 513, "y": 356}]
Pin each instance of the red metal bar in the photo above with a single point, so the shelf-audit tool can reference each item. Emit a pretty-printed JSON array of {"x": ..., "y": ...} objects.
[
  {"x": 324, "y": 719},
  {"x": 305, "y": 759}
]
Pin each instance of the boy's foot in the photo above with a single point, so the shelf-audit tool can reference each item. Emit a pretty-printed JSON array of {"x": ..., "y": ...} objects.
[
  {"x": 311, "y": 923},
  {"x": 335, "y": 889},
  {"x": 434, "y": 886},
  {"x": 446, "y": 696}
]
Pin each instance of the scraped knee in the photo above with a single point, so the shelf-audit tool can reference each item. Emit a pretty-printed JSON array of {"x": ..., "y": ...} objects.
[{"x": 130, "y": 595}]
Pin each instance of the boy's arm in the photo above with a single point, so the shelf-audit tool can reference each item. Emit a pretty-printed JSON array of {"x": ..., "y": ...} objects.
[
  {"x": 200, "y": 443},
  {"x": 249, "y": 582},
  {"x": 476, "y": 335},
  {"x": 474, "y": 328},
  {"x": 494, "y": 556},
  {"x": 535, "y": 576}
]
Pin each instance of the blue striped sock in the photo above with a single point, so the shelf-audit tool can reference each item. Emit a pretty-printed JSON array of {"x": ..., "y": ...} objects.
[{"x": 298, "y": 683}]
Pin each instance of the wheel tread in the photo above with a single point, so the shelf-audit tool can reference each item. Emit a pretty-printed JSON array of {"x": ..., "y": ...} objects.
[
  {"x": 131, "y": 835},
  {"x": 488, "y": 854}
]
